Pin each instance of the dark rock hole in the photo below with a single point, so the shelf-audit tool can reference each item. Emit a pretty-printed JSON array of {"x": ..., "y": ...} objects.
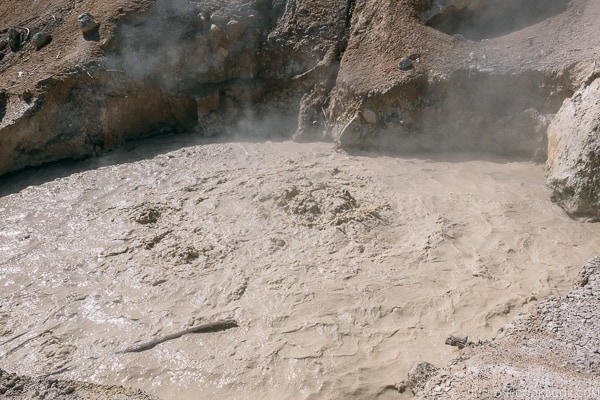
[{"x": 486, "y": 19}]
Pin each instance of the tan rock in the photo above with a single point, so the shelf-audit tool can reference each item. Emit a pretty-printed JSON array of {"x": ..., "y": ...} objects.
[
  {"x": 369, "y": 116},
  {"x": 573, "y": 166}
]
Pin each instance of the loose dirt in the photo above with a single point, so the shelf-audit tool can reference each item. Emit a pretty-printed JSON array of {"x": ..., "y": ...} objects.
[{"x": 341, "y": 269}]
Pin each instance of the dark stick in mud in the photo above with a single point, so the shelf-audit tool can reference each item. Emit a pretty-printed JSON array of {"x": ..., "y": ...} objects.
[{"x": 204, "y": 328}]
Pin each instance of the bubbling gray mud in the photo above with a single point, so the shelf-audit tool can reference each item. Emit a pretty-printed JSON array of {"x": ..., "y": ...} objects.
[{"x": 341, "y": 270}]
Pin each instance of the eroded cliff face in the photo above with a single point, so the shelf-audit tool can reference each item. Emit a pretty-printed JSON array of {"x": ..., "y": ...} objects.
[
  {"x": 479, "y": 91},
  {"x": 79, "y": 116},
  {"x": 404, "y": 76},
  {"x": 164, "y": 65}
]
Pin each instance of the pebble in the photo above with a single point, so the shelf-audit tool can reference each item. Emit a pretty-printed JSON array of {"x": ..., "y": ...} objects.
[
  {"x": 369, "y": 116},
  {"x": 405, "y": 64},
  {"x": 87, "y": 22},
  {"x": 40, "y": 39},
  {"x": 68, "y": 390}
]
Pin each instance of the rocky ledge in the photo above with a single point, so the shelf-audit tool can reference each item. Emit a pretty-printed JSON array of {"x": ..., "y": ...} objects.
[
  {"x": 16, "y": 387},
  {"x": 554, "y": 353}
]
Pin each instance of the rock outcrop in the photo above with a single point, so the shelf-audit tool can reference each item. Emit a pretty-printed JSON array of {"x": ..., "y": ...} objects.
[
  {"x": 573, "y": 166},
  {"x": 492, "y": 89},
  {"x": 168, "y": 66}
]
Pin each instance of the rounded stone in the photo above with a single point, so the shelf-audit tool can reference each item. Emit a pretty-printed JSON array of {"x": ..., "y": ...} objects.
[
  {"x": 40, "y": 39},
  {"x": 405, "y": 64},
  {"x": 369, "y": 116},
  {"x": 87, "y": 22}
]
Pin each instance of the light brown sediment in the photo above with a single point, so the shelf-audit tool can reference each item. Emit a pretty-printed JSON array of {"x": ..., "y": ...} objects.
[{"x": 341, "y": 269}]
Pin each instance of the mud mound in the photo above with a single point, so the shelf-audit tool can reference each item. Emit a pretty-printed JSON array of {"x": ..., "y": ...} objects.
[{"x": 324, "y": 205}]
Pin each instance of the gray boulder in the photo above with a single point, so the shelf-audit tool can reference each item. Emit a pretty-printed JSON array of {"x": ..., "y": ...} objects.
[
  {"x": 573, "y": 166},
  {"x": 87, "y": 22},
  {"x": 40, "y": 39}
]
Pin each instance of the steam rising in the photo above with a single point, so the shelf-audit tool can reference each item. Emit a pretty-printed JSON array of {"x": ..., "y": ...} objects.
[
  {"x": 237, "y": 59},
  {"x": 181, "y": 45},
  {"x": 484, "y": 19}
]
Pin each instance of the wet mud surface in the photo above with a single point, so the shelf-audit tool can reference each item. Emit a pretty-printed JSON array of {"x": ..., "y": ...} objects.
[{"x": 341, "y": 270}]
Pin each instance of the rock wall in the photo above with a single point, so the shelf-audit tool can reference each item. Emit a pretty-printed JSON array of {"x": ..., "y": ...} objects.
[
  {"x": 432, "y": 91},
  {"x": 364, "y": 73},
  {"x": 79, "y": 115},
  {"x": 209, "y": 66}
]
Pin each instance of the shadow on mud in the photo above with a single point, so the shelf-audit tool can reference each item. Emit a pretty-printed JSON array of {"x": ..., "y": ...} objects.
[
  {"x": 150, "y": 147},
  {"x": 132, "y": 151}
]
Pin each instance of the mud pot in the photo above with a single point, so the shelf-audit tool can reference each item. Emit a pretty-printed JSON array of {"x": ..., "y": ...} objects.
[{"x": 340, "y": 269}]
